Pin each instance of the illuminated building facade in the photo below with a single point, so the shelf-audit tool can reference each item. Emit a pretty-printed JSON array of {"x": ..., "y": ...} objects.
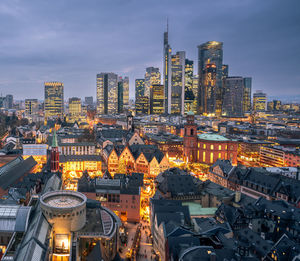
[
  {"x": 225, "y": 69},
  {"x": 177, "y": 83},
  {"x": 54, "y": 99},
  {"x": 147, "y": 159},
  {"x": 107, "y": 93},
  {"x": 209, "y": 89},
  {"x": 259, "y": 101},
  {"x": 167, "y": 71},
  {"x": 189, "y": 96},
  {"x": 139, "y": 88},
  {"x": 210, "y": 53},
  {"x": 126, "y": 91},
  {"x": 206, "y": 148},
  {"x": 31, "y": 107},
  {"x": 195, "y": 92},
  {"x": 75, "y": 107},
  {"x": 157, "y": 99},
  {"x": 80, "y": 163},
  {"x": 233, "y": 97},
  {"x": 152, "y": 76},
  {"x": 212, "y": 147},
  {"x": 279, "y": 157},
  {"x": 142, "y": 105},
  {"x": 274, "y": 105},
  {"x": 247, "y": 94}
]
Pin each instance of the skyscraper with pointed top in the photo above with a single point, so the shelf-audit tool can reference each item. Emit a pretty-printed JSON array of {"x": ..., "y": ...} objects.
[{"x": 167, "y": 70}]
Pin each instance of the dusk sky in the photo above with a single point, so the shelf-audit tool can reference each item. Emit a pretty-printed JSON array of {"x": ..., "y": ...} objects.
[{"x": 73, "y": 40}]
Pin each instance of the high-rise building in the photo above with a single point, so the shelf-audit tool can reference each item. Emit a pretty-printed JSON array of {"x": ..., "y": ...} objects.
[
  {"x": 224, "y": 71},
  {"x": 89, "y": 100},
  {"x": 210, "y": 53},
  {"x": 142, "y": 105},
  {"x": 107, "y": 93},
  {"x": 177, "y": 82},
  {"x": 31, "y": 107},
  {"x": 157, "y": 98},
  {"x": 189, "y": 96},
  {"x": 167, "y": 71},
  {"x": 8, "y": 101},
  {"x": 152, "y": 76},
  {"x": 126, "y": 91},
  {"x": 74, "y": 106},
  {"x": 247, "y": 94},
  {"x": 54, "y": 99},
  {"x": 120, "y": 94},
  {"x": 274, "y": 105},
  {"x": 233, "y": 97},
  {"x": 195, "y": 93},
  {"x": 259, "y": 101},
  {"x": 208, "y": 89},
  {"x": 139, "y": 88}
]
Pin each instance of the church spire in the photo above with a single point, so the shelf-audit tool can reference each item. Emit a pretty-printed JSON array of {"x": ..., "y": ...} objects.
[{"x": 54, "y": 140}]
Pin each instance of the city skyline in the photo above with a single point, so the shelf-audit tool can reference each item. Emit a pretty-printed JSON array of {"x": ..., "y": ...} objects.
[{"x": 63, "y": 48}]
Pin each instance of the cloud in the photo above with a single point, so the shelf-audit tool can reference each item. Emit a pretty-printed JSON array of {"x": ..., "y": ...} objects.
[{"x": 73, "y": 40}]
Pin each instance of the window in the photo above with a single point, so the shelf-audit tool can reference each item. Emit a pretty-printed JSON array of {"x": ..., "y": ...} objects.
[
  {"x": 204, "y": 146},
  {"x": 211, "y": 157},
  {"x": 211, "y": 147},
  {"x": 219, "y": 155},
  {"x": 203, "y": 156},
  {"x": 220, "y": 147}
]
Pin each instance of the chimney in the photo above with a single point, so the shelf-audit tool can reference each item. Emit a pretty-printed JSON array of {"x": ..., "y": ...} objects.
[{"x": 237, "y": 196}]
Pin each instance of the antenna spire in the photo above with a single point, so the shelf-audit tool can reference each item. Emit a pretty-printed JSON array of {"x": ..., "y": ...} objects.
[{"x": 167, "y": 24}]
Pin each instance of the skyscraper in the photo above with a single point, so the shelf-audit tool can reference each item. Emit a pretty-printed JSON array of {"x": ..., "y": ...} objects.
[
  {"x": 259, "y": 101},
  {"x": 54, "y": 99},
  {"x": 210, "y": 53},
  {"x": 120, "y": 94},
  {"x": 247, "y": 94},
  {"x": 157, "y": 99},
  {"x": 89, "y": 100},
  {"x": 195, "y": 93},
  {"x": 139, "y": 88},
  {"x": 167, "y": 71},
  {"x": 177, "y": 83},
  {"x": 126, "y": 91},
  {"x": 75, "y": 107},
  {"x": 107, "y": 93},
  {"x": 31, "y": 106},
  {"x": 208, "y": 90},
  {"x": 188, "y": 92},
  {"x": 142, "y": 105},
  {"x": 8, "y": 101},
  {"x": 152, "y": 76},
  {"x": 233, "y": 97}
]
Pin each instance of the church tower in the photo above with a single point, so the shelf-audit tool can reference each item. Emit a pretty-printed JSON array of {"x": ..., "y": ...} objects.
[
  {"x": 54, "y": 158},
  {"x": 190, "y": 139}
]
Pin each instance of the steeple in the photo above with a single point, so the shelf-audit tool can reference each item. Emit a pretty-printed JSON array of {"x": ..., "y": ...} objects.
[{"x": 54, "y": 140}]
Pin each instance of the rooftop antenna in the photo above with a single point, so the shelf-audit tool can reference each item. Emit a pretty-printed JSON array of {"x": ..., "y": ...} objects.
[{"x": 167, "y": 24}]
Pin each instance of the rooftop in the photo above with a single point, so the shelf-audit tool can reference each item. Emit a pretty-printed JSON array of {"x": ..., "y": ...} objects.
[{"x": 212, "y": 137}]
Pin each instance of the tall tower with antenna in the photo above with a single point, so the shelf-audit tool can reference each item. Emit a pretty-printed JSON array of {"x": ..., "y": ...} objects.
[{"x": 167, "y": 70}]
